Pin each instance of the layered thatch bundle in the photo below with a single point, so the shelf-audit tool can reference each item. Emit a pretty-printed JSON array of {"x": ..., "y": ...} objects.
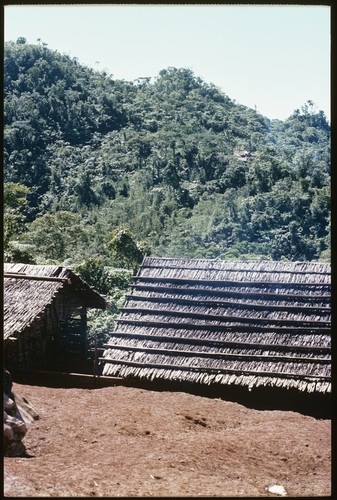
[
  {"x": 37, "y": 299},
  {"x": 249, "y": 323}
]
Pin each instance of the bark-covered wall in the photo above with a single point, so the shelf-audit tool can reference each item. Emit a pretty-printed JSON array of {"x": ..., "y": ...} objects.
[{"x": 43, "y": 344}]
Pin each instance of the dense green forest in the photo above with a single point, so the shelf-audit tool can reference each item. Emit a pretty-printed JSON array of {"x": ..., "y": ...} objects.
[
  {"x": 100, "y": 172},
  {"x": 171, "y": 164}
]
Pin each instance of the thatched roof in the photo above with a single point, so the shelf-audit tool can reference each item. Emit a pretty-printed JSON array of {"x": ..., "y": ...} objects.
[
  {"x": 29, "y": 289},
  {"x": 248, "y": 323}
]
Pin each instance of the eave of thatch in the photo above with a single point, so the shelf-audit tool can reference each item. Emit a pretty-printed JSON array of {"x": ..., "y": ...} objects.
[
  {"x": 29, "y": 289},
  {"x": 247, "y": 323}
]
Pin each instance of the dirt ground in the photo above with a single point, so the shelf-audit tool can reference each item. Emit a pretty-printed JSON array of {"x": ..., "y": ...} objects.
[{"x": 124, "y": 441}]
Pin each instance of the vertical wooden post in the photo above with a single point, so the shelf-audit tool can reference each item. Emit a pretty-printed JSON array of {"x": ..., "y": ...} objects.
[
  {"x": 84, "y": 329},
  {"x": 95, "y": 358}
]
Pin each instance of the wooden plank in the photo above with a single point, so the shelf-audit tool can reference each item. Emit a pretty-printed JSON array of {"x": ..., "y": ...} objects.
[
  {"x": 217, "y": 355},
  {"x": 68, "y": 379},
  {"x": 229, "y": 269},
  {"x": 225, "y": 303},
  {"x": 219, "y": 343},
  {"x": 225, "y": 318},
  {"x": 205, "y": 369},
  {"x": 232, "y": 282},
  {"x": 233, "y": 293},
  {"x": 39, "y": 278},
  {"x": 235, "y": 328},
  {"x": 26, "y": 409}
]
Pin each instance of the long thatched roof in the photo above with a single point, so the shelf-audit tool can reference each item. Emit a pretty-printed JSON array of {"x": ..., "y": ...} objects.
[
  {"x": 248, "y": 323},
  {"x": 29, "y": 289}
]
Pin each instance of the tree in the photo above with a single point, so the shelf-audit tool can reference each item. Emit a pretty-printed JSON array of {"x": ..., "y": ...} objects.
[
  {"x": 14, "y": 221},
  {"x": 160, "y": 158},
  {"x": 57, "y": 236},
  {"x": 114, "y": 284},
  {"x": 94, "y": 272},
  {"x": 125, "y": 250}
]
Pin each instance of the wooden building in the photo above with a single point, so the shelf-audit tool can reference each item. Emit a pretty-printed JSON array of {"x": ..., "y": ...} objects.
[
  {"x": 248, "y": 324},
  {"x": 45, "y": 317}
]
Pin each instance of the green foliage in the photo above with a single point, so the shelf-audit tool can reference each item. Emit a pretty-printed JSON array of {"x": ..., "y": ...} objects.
[
  {"x": 106, "y": 280},
  {"x": 14, "y": 195},
  {"x": 14, "y": 198},
  {"x": 125, "y": 251},
  {"x": 185, "y": 169},
  {"x": 93, "y": 272},
  {"x": 100, "y": 323},
  {"x": 56, "y": 236},
  {"x": 114, "y": 284},
  {"x": 100, "y": 172}
]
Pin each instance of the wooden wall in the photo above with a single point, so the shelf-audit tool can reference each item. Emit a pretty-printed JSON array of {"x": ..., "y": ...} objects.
[{"x": 53, "y": 337}]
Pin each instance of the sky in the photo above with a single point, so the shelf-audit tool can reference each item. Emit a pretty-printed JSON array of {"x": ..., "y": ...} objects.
[{"x": 269, "y": 58}]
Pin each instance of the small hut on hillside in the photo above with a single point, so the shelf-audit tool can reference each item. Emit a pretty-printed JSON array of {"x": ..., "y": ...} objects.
[
  {"x": 45, "y": 317},
  {"x": 244, "y": 324}
]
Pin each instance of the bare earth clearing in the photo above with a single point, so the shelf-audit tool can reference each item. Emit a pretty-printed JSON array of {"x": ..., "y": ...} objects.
[{"x": 125, "y": 441}]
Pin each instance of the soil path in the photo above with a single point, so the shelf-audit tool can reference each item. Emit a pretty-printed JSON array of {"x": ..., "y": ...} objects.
[{"x": 125, "y": 441}]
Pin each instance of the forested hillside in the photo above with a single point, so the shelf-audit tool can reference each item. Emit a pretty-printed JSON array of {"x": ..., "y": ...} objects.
[{"x": 97, "y": 168}]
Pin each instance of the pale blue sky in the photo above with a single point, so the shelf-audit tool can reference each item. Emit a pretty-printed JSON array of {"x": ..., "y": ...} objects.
[{"x": 272, "y": 57}]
